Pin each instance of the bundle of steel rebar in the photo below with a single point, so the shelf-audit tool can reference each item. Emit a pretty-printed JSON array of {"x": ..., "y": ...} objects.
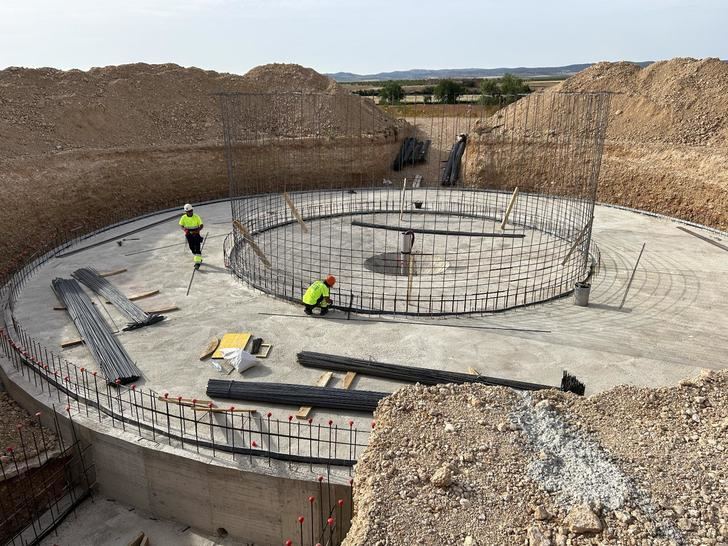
[
  {"x": 114, "y": 362},
  {"x": 91, "y": 278},
  {"x": 424, "y": 376},
  {"x": 569, "y": 383},
  {"x": 295, "y": 395}
]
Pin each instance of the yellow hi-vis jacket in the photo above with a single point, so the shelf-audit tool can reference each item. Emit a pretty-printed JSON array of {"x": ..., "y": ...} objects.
[
  {"x": 314, "y": 292},
  {"x": 190, "y": 222}
]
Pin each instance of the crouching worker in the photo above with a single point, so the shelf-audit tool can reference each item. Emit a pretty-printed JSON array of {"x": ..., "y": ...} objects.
[{"x": 318, "y": 295}]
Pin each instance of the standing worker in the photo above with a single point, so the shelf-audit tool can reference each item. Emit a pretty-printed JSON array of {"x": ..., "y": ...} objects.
[
  {"x": 318, "y": 295},
  {"x": 191, "y": 224}
]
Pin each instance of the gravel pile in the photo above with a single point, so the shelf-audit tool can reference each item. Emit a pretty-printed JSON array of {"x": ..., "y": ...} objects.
[{"x": 473, "y": 465}]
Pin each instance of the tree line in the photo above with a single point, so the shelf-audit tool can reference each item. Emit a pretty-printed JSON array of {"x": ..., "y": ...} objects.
[{"x": 493, "y": 91}]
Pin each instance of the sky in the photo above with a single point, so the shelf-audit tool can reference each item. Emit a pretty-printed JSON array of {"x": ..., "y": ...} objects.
[{"x": 355, "y": 35}]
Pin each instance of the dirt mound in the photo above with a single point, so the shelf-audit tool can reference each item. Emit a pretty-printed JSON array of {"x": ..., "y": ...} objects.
[
  {"x": 131, "y": 106},
  {"x": 681, "y": 101},
  {"x": 274, "y": 78},
  {"x": 475, "y": 465},
  {"x": 667, "y": 141},
  {"x": 79, "y": 150}
]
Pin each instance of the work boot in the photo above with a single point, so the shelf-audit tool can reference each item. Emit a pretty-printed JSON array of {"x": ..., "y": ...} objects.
[
  {"x": 308, "y": 311},
  {"x": 324, "y": 310}
]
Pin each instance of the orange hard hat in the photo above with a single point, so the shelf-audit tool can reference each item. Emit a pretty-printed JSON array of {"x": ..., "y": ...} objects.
[{"x": 331, "y": 280}]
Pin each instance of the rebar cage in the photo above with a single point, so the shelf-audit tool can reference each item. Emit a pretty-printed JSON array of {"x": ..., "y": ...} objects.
[{"x": 449, "y": 209}]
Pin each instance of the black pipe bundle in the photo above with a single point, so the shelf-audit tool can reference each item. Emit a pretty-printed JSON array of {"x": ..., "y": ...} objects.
[
  {"x": 451, "y": 173},
  {"x": 295, "y": 395},
  {"x": 91, "y": 278},
  {"x": 412, "y": 151},
  {"x": 114, "y": 362},
  {"x": 424, "y": 376}
]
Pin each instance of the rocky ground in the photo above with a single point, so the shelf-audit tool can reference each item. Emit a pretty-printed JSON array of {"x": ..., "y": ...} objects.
[
  {"x": 473, "y": 465},
  {"x": 21, "y": 433}
]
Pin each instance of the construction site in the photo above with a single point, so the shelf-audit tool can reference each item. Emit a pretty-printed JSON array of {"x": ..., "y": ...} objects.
[{"x": 521, "y": 337}]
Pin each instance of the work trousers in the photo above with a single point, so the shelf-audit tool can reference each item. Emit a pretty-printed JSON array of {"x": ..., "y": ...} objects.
[
  {"x": 195, "y": 241},
  {"x": 321, "y": 302}
]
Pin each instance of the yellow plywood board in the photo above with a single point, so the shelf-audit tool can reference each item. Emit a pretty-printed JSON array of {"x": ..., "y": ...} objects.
[{"x": 232, "y": 341}]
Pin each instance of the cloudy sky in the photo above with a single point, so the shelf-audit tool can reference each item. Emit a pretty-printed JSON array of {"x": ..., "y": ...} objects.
[{"x": 356, "y": 35}]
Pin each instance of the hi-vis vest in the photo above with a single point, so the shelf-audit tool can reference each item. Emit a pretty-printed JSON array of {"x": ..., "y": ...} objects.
[
  {"x": 190, "y": 222},
  {"x": 314, "y": 292}
]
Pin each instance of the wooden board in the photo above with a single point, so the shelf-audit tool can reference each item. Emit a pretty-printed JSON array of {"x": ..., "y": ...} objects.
[
  {"x": 210, "y": 348},
  {"x": 249, "y": 239},
  {"x": 473, "y": 371},
  {"x": 348, "y": 379},
  {"x": 185, "y": 401},
  {"x": 322, "y": 382},
  {"x": 265, "y": 349},
  {"x": 141, "y": 295},
  {"x": 137, "y": 540},
  {"x": 232, "y": 341},
  {"x": 223, "y": 410},
  {"x": 160, "y": 310},
  {"x": 111, "y": 273}
]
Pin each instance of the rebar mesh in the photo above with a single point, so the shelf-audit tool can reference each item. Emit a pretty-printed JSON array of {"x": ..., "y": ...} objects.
[{"x": 318, "y": 187}]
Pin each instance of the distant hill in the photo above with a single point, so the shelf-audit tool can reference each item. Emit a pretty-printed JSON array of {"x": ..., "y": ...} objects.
[{"x": 421, "y": 74}]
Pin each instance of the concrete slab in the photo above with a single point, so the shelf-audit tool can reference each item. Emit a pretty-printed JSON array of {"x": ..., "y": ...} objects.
[
  {"x": 671, "y": 324},
  {"x": 106, "y": 521}
]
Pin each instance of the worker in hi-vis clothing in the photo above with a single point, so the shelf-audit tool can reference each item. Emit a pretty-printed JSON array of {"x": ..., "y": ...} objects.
[
  {"x": 191, "y": 224},
  {"x": 318, "y": 295}
]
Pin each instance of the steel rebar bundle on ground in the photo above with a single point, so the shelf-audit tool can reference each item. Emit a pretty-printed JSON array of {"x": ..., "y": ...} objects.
[
  {"x": 91, "y": 278},
  {"x": 109, "y": 354},
  {"x": 424, "y": 376},
  {"x": 295, "y": 395}
]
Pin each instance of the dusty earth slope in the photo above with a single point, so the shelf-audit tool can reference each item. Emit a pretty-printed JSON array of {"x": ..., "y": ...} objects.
[
  {"x": 475, "y": 465},
  {"x": 80, "y": 148},
  {"x": 667, "y": 142}
]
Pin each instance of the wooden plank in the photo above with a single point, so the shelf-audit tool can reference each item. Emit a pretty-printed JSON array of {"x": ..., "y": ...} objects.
[
  {"x": 160, "y": 310},
  {"x": 223, "y": 410},
  {"x": 184, "y": 401},
  {"x": 348, "y": 380},
  {"x": 581, "y": 235},
  {"x": 249, "y": 239},
  {"x": 210, "y": 348},
  {"x": 232, "y": 341},
  {"x": 294, "y": 211},
  {"x": 137, "y": 540},
  {"x": 473, "y": 371},
  {"x": 322, "y": 382},
  {"x": 145, "y": 541},
  {"x": 509, "y": 208},
  {"x": 71, "y": 343},
  {"x": 141, "y": 295},
  {"x": 264, "y": 354},
  {"x": 112, "y": 273}
]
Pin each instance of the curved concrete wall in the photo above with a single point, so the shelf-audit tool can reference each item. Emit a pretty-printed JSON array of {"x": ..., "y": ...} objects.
[{"x": 255, "y": 503}]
